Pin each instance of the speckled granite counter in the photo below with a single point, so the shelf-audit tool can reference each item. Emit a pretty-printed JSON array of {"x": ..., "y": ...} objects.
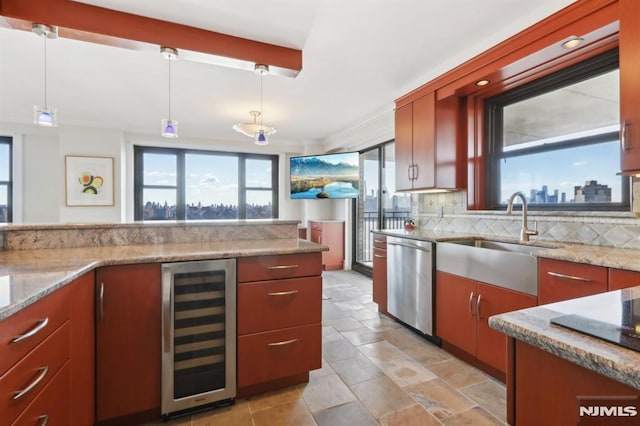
[
  {"x": 611, "y": 257},
  {"x": 28, "y": 275},
  {"x": 533, "y": 326}
]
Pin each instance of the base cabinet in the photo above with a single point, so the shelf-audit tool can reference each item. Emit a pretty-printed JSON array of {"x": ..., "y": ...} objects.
[
  {"x": 380, "y": 272},
  {"x": 279, "y": 320},
  {"x": 128, "y": 334},
  {"x": 331, "y": 234},
  {"x": 463, "y": 307},
  {"x": 619, "y": 279},
  {"x": 559, "y": 280}
]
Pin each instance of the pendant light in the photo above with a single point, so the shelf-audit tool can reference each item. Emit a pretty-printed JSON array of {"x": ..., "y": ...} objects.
[
  {"x": 257, "y": 130},
  {"x": 45, "y": 116},
  {"x": 169, "y": 127}
]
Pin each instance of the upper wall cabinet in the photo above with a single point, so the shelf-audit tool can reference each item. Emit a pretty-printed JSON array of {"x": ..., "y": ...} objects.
[
  {"x": 629, "y": 86},
  {"x": 427, "y": 144}
]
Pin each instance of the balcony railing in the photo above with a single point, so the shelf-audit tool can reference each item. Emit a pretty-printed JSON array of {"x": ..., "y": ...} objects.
[{"x": 390, "y": 220}]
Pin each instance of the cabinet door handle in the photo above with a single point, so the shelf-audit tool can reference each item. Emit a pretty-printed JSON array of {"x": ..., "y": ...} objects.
[
  {"x": 43, "y": 372},
  {"x": 283, "y": 293},
  {"x": 101, "y": 300},
  {"x": 409, "y": 172},
  {"x": 415, "y": 168},
  {"x": 479, "y": 300},
  {"x": 569, "y": 277},
  {"x": 284, "y": 342},
  {"x": 471, "y": 305},
  {"x": 35, "y": 330},
  {"x": 44, "y": 420},
  {"x": 278, "y": 267},
  {"x": 623, "y": 135}
]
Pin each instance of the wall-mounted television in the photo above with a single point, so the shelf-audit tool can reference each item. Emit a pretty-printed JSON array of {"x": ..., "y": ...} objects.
[{"x": 326, "y": 176}]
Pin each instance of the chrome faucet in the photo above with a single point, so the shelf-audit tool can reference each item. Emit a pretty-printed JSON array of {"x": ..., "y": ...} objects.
[{"x": 524, "y": 232}]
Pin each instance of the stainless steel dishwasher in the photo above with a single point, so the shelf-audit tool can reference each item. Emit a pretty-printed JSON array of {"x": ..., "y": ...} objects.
[{"x": 410, "y": 282}]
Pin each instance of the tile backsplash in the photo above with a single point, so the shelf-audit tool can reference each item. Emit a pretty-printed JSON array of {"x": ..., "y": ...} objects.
[{"x": 448, "y": 212}]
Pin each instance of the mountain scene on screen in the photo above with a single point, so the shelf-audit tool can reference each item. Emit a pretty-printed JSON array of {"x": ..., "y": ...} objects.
[{"x": 317, "y": 177}]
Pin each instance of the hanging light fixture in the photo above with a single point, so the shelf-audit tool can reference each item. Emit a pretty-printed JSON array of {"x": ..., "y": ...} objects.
[
  {"x": 169, "y": 127},
  {"x": 257, "y": 130},
  {"x": 45, "y": 116}
]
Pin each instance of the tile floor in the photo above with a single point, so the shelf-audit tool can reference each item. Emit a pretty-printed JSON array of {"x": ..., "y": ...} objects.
[{"x": 374, "y": 372}]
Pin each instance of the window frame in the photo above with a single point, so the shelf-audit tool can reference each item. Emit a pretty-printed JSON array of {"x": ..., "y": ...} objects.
[
  {"x": 7, "y": 140},
  {"x": 180, "y": 186},
  {"x": 493, "y": 125}
]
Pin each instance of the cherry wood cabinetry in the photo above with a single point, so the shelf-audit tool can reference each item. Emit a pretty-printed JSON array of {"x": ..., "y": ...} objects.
[
  {"x": 629, "y": 85},
  {"x": 47, "y": 354},
  {"x": 279, "y": 320},
  {"x": 463, "y": 307},
  {"x": 331, "y": 234},
  {"x": 559, "y": 280},
  {"x": 547, "y": 388},
  {"x": 128, "y": 334},
  {"x": 380, "y": 272},
  {"x": 619, "y": 278}
]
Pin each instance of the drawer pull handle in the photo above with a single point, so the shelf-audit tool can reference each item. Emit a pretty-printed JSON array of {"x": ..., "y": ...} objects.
[
  {"x": 23, "y": 392},
  {"x": 44, "y": 420},
  {"x": 379, "y": 255},
  {"x": 283, "y": 293},
  {"x": 278, "y": 267},
  {"x": 569, "y": 277},
  {"x": 284, "y": 342},
  {"x": 379, "y": 241},
  {"x": 35, "y": 330}
]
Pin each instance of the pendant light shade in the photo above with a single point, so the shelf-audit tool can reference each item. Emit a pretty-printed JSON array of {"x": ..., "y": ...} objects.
[
  {"x": 169, "y": 127},
  {"x": 257, "y": 130},
  {"x": 44, "y": 115}
]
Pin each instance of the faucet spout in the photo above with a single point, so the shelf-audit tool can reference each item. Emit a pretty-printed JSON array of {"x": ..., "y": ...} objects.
[{"x": 525, "y": 232}]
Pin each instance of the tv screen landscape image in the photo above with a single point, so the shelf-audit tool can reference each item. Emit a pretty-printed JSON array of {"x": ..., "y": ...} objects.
[{"x": 327, "y": 176}]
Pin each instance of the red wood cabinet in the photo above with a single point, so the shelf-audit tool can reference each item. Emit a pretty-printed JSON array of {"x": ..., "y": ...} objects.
[
  {"x": 53, "y": 405},
  {"x": 279, "y": 320},
  {"x": 547, "y": 388},
  {"x": 463, "y": 307},
  {"x": 619, "y": 279},
  {"x": 128, "y": 334},
  {"x": 404, "y": 146},
  {"x": 380, "y": 272},
  {"x": 560, "y": 280},
  {"x": 331, "y": 234},
  {"x": 629, "y": 11}
]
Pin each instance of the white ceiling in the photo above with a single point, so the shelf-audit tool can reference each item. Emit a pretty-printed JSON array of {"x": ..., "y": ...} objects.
[{"x": 358, "y": 56}]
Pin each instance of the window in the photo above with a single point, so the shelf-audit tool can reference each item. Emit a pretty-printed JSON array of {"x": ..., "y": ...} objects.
[
  {"x": 178, "y": 184},
  {"x": 5, "y": 180},
  {"x": 557, "y": 141}
]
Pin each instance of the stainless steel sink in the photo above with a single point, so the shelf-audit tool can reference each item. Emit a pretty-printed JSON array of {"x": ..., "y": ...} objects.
[{"x": 509, "y": 265}]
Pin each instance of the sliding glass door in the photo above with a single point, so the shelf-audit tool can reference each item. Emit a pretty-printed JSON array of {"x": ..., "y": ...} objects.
[{"x": 379, "y": 205}]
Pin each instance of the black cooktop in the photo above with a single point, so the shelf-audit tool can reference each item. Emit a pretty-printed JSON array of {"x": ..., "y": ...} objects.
[{"x": 622, "y": 328}]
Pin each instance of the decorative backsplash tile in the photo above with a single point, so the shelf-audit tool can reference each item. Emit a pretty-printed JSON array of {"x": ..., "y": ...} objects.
[{"x": 616, "y": 229}]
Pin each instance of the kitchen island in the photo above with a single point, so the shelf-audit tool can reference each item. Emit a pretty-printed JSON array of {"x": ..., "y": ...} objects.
[{"x": 553, "y": 370}]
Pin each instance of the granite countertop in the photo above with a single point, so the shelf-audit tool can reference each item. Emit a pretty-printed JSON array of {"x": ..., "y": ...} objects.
[
  {"x": 533, "y": 326},
  {"x": 28, "y": 275},
  {"x": 611, "y": 257}
]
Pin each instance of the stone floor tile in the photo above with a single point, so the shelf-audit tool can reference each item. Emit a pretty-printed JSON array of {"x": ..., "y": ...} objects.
[
  {"x": 325, "y": 370},
  {"x": 457, "y": 373},
  {"x": 439, "y": 398},
  {"x": 356, "y": 369},
  {"x": 275, "y": 398},
  {"x": 338, "y": 349},
  {"x": 292, "y": 414},
  {"x": 380, "y": 323},
  {"x": 325, "y": 392},
  {"x": 381, "y": 396},
  {"x": 490, "y": 395},
  {"x": 361, "y": 336},
  {"x": 381, "y": 352},
  {"x": 346, "y": 323},
  {"x": 405, "y": 372},
  {"x": 238, "y": 414},
  {"x": 475, "y": 416},
  {"x": 350, "y": 414},
  {"x": 411, "y": 416}
]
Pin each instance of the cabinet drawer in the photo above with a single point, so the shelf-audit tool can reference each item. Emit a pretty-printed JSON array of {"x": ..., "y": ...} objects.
[
  {"x": 54, "y": 309},
  {"x": 379, "y": 241},
  {"x": 268, "y": 305},
  {"x": 271, "y": 355},
  {"x": 264, "y": 268},
  {"x": 619, "y": 278},
  {"x": 315, "y": 225},
  {"x": 52, "y": 404},
  {"x": 34, "y": 371},
  {"x": 559, "y": 280}
]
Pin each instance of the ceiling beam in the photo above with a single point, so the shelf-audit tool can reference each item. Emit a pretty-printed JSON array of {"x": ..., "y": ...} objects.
[{"x": 105, "y": 26}]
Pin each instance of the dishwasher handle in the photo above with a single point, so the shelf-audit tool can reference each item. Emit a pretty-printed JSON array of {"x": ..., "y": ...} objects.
[{"x": 428, "y": 250}]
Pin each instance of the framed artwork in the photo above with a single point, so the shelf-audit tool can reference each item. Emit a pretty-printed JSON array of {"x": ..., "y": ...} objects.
[{"x": 88, "y": 181}]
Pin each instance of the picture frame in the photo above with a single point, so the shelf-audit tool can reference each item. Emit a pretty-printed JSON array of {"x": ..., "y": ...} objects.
[{"x": 89, "y": 181}]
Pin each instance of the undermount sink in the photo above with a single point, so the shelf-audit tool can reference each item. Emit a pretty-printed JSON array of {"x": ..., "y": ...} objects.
[{"x": 509, "y": 265}]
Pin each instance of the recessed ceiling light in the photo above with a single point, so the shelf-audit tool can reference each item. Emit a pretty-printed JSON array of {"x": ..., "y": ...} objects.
[
  {"x": 481, "y": 83},
  {"x": 572, "y": 43}
]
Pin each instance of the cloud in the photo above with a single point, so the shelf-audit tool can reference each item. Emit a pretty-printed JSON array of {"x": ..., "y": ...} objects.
[
  {"x": 580, "y": 163},
  {"x": 158, "y": 173},
  {"x": 209, "y": 180}
]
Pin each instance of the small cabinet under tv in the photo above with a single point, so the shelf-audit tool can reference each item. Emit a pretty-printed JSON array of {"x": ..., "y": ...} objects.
[
  {"x": 331, "y": 234},
  {"x": 326, "y": 176}
]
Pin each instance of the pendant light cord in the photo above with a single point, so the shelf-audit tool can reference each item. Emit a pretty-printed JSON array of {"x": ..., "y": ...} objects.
[
  {"x": 45, "y": 72},
  {"x": 169, "y": 60},
  {"x": 261, "y": 113}
]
